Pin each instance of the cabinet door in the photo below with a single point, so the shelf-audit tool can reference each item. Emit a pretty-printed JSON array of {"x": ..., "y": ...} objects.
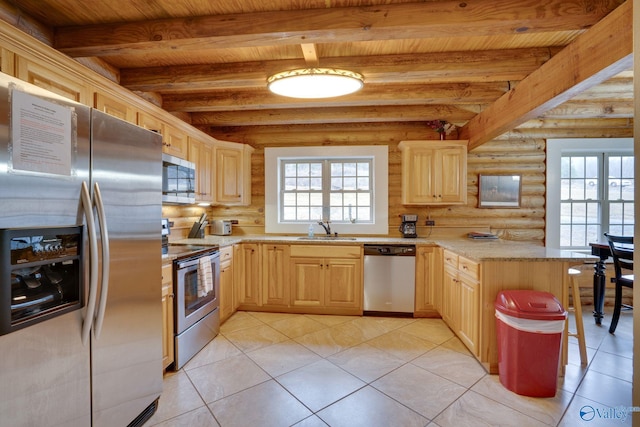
[
  {"x": 343, "y": 283},
  {"x": 452, "y": 175},
  {"x": 228, "y": 175},
  {"x": 275, "y": 275},
  {"x": 150, "y": 122},
  {"x": 226, "y": 289},
  {"x": 426, "y": 279},
  {"x": 449, "y": 291},
  {"x": 174, "y": 142},
  {"x": 201, "y": 154},
  {"x": 249, "y": 284},
  {"x": 167, "y": 315},
  {"x": 110, "y": 105},
  {"x": 43, "y": 77},
  {"x": 307, "y": 282},
  {"x": 468, "y": 325},
  {"x": 418, "y": 176}
]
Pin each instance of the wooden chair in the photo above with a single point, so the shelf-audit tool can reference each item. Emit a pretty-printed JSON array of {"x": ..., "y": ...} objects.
[
  {"x": 622, "y": 254},
  {"x": 577, "y": 311}
]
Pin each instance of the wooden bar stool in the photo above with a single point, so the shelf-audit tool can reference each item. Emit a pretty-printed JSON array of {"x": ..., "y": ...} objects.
[{"x": 577, "y": 310}]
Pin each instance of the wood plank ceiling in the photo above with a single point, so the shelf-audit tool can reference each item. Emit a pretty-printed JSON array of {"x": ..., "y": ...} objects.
[{"x": 208, "y": 61}]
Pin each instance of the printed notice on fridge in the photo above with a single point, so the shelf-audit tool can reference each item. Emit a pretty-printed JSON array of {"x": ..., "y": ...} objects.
[{"x": 41, "y": 135}]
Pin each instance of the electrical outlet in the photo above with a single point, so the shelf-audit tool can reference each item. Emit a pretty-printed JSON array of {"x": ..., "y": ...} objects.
[{"x": 430, "y": 222}]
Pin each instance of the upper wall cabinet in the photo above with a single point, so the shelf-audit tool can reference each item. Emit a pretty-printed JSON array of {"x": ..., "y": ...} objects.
[
  {"x": 201, "y": 154},
  {"x": 434, "y": 172},
  {"x": 42, "y": 76},
  {"x": 174, "y": 142},
  {"x": 114, "y": 107},
  {"x": 233, "y": 173}
]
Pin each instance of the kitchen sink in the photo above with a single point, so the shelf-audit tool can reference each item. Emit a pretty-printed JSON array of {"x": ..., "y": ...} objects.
[{"x": 326, "y": 238}]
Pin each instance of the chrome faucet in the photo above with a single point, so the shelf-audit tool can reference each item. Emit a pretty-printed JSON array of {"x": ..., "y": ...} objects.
[{"x": 327, "y": 227}]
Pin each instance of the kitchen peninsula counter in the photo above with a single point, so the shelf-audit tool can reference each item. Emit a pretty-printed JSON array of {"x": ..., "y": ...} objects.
[{"x": 495, "y": 265}]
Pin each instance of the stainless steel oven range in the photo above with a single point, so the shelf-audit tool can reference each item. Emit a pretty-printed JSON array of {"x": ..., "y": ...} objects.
[{"x": 196, "y": 282}]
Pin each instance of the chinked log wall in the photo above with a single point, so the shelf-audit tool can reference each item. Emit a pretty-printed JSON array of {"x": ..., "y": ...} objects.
[{"x": 525, "y": 157}]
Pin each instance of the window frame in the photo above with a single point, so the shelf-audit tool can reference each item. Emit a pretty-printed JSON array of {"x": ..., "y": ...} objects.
[
  {"x": 379, "y": 155},
  {"x": 556, "y": 148}
]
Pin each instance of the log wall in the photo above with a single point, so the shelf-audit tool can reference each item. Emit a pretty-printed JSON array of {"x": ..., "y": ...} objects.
[{"x": 516, "y": 156}]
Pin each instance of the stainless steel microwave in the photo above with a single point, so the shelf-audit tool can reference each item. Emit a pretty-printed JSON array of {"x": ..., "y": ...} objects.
[{"x": 178, "y": 180}]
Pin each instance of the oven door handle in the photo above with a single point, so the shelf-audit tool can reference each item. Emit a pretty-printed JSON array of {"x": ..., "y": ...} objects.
[
  {"x": 106, "y": 260},
  {"x": 93, "y": 262}
]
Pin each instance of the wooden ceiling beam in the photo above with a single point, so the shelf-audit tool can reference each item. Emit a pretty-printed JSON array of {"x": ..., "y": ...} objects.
[
  {"x": 370, "y": 95},
  {"x": 419, "y": 113},
  {"x": 593, "y": 57},
  {"x": 476, "y": 66},
  {"x": 347, "y": 24}
]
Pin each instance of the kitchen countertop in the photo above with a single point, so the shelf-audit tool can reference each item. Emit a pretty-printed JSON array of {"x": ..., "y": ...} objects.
[{"x": 477, "y": 250}]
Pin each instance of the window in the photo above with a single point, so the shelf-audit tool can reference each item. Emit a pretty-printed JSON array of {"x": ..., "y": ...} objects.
[
  {"x": 595, "y": 191},
  {"x": 339, "y": 190},
  {"x": 347, "y": 185}
]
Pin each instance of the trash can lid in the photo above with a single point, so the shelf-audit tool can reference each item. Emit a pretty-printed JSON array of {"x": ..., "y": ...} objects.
[{"x": 526, "y": 304}]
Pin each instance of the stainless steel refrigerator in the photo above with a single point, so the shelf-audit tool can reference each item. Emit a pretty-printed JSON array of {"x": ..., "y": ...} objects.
[{"x": 98, "y": 361}]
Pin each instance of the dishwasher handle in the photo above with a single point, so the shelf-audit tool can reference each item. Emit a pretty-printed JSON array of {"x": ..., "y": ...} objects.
[{"x": 390, "y": 250}]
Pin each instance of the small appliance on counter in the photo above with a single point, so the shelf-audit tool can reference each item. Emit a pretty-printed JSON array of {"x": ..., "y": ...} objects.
[
  {"x": 221, "y": 227},
  {"x": 408, "y": 226}
]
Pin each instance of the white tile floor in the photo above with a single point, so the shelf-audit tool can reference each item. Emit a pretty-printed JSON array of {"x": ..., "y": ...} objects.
[{"x": 268, "y": 369}]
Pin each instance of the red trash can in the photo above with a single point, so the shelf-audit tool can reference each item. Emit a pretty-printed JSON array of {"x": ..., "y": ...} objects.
[{"x": 529, "y": 329}]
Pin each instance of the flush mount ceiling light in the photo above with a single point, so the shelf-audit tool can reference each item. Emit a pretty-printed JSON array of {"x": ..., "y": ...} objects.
[{"x": 315, "y": 83}]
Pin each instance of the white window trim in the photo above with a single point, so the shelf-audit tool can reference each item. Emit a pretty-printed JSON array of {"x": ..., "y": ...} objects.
[
  {"x": 555, "y": 149},
  {"x": 380, "y": 154}
]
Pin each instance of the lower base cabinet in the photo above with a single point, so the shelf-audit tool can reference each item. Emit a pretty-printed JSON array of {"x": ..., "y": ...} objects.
[
  {"x": 227, "y": 291},
  {"x": 167, "y": 315}
]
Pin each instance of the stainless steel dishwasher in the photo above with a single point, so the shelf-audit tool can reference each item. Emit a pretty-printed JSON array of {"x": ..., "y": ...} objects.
[{"x": 389, "y": 279}]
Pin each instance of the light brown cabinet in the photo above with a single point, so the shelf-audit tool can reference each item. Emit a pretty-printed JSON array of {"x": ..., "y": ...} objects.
[
  {"x": 174, "y": 141},
  {"x": 232, "y": 173},
  {"x": 327, "y": 279},
  {"x": 42, "y": 76},
  {"x": 201, "y": 154},
  {"x": 114, "y": 107},
  {"x": 227, "y": 291},
  {"x": 428, "y": 269},
  {"x": 167, "y": 315},
  {"x": 275, "y": 275},
  {"x": 434, "y": 172},
  {"x": 248, "y": 279},
  {"x": 461, "y": 298}
]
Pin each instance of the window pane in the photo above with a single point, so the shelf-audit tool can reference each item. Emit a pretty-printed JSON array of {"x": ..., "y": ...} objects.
[
  {"x": 363, "y": 184},
  {"x": 350, "y": 199},
  {"x": 364, "y": 199},
  {"x": 302, "y": 199},
  {"x": 315, "y": 184},
  {"x": 364, "y": 214},
  {"x": 302, "y": 213},
  {"x": 303, "y": 169},
  {"x": 336, "y": 184},
  {"x": 316, "y": 169},
  {"x": 363, "y": 169},
  {"x": 315, "y": 213},
  {"x": 290, "y": 184},
  {"x": 289, "y": 199},
  {"x": 315, "y": 199},
  {"x": 335, "y": 213},
  {"x": 290, "y": 169},
  {"x": 289, "y": 213},
  {"x": 349, "y": 184},
  {"x": 336, "y": 169}
]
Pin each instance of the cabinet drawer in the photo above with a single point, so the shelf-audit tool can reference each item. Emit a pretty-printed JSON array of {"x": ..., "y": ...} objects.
[
  {"x": 226, "y": 253},
  {"x": 328, "y": 251},
  {"x": 167, "y": 274},
  {"x": 469, "y": 268},
  {"x": 450, "y": 258}
]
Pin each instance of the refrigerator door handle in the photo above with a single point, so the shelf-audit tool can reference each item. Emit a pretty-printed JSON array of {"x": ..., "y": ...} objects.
[
  {"x": 106, "y": 259},
  {"x": 93, "y": 262}
]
